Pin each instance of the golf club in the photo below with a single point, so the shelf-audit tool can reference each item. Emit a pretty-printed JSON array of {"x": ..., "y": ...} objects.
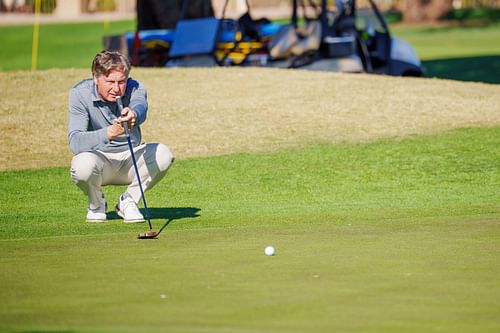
[{"x": 150, "y": 233}]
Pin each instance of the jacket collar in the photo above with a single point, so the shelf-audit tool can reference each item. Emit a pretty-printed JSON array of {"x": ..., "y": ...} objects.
[{"x": 95, "y": 95}]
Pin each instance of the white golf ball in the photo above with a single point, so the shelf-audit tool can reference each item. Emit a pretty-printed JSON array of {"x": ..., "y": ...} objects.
[{"x": 269, "y": 251}]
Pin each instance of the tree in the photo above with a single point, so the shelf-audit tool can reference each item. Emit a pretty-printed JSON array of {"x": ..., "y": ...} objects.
[{"x": 425, "y": 10}]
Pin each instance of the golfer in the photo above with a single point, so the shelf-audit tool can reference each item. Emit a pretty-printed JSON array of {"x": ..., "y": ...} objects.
[{"x": 97, "y": 138}]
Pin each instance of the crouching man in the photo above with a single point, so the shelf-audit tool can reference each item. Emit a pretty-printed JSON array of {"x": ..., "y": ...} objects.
[{"x": 97, "y": 138}]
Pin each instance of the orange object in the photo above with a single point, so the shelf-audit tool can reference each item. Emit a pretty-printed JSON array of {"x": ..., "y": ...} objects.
[{"x": 135, "y": 50}]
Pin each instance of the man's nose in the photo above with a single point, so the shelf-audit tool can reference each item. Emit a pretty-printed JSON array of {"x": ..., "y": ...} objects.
[{"x": 116, "y": 87}]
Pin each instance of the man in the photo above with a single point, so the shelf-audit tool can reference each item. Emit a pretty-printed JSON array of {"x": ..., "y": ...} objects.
[{"x": 99, "y": 145}]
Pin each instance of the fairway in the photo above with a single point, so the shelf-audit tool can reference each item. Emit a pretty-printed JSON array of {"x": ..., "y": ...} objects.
[{"x": 380, "y": 195}]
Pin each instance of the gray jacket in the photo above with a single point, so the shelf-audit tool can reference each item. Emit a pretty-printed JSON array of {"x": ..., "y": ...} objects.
[{"x": 89, "y": 116}]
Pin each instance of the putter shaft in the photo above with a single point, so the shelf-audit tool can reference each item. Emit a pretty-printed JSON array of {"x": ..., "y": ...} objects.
[{"x": 150, "y": 233}]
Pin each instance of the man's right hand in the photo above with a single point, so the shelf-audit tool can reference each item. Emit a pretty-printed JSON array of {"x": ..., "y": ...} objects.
[{"x": 116, "y": 129}]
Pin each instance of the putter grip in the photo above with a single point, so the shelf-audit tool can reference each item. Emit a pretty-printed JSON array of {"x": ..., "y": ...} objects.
[
  {"x": 119, "y": 103},
  {"x": 125, "y": 126},
  {"x": 120, "y": 108}
]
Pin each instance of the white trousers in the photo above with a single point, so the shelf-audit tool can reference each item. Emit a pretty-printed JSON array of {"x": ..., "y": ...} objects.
[{"x": 92, "y": 170}]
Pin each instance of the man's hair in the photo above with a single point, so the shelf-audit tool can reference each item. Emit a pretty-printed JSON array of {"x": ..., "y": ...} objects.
[{"x": 105, "y": 61}]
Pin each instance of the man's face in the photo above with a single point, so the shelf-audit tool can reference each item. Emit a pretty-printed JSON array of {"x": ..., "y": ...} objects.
[{"x": 111, "y": 85}]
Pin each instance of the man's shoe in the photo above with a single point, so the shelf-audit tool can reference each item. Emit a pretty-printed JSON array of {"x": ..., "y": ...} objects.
[
  {"x": 127, "y": 209},
  {"x": 98, "y": 215}
]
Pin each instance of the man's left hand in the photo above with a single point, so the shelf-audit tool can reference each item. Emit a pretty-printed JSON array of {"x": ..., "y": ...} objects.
[{"x": 128, "y": 116}]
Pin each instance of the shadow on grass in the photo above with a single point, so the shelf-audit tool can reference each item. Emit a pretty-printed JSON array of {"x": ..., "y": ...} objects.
[
  {"x": 169, "y": 214},
  {"x": 172, "y": 214},
  {"x": 46, "y": 331},
  {"x": 480, "y": 69}
]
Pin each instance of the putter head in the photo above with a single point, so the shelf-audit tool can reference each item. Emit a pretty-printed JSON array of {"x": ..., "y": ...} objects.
[{"x": 150, "y": 234}]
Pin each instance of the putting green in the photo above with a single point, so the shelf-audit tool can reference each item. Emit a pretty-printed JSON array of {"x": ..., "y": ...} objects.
[
  {"x": 390, "y": 276},
  {"x": 391, "y": 236}
]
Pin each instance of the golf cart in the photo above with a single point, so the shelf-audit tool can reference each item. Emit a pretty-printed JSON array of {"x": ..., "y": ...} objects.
[
  {"x": 341, "y": 38},
  {"x": 358, "y": 39},
  {"x": 346, "y": 39}
]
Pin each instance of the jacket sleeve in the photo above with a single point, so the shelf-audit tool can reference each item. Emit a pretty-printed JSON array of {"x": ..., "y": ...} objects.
[
  {"x": 138, "y": 100},
  {"x": 79, "y": 137}
]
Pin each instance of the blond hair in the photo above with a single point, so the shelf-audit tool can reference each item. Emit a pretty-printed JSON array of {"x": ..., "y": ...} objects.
[{"x": 106, "y": 61}]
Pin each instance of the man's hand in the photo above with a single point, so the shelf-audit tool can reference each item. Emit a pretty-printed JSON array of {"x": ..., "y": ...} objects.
[
  {"x": 128, "y": 116},
  {"x": 116, "y": 129}
]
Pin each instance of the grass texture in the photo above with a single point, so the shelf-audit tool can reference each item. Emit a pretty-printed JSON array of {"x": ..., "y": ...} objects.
[
  {"x": 392, "y": 236},
  {"x": 219, "y": 111},
  {"x": 379, "y": 194}
]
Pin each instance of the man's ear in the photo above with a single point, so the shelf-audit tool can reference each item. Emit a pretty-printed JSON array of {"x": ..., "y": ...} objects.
[{"x": 95, "y": 79}]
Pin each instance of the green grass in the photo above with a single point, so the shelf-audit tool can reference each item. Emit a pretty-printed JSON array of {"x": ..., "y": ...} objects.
[
  {"x": 60, "y": 45},
  {"x": 390, "y": 236},
  {"x": 458, "y": 52},
  {"x": 451, "y": 42}
]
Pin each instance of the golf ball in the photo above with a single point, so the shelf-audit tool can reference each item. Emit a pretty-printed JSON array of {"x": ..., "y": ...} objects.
[{"x": 269, "y": 251}]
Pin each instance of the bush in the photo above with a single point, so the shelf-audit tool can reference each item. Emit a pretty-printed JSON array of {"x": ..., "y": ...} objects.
[
  {"x": 393, "y": 16},
  {"x": 47, "y": 6},
  {"x": 484, "y": 14}
]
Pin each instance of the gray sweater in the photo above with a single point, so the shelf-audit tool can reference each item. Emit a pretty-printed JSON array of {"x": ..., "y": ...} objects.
[{"x": 89, "y": 116}]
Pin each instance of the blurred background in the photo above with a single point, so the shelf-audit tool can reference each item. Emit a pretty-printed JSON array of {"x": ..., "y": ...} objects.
[{"x": 455, "y": 39}]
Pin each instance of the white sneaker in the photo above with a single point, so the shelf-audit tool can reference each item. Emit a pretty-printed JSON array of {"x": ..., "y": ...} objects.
[
  {"x": 98, "y": 215},
  {"x": 127, "y": 209}
]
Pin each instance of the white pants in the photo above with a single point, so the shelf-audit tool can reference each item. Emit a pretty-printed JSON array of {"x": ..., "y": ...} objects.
[{"x": 91, "y": 170}]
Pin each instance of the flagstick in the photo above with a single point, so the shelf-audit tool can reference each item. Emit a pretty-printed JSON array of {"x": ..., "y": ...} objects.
[{"x": 36, "y": 33}]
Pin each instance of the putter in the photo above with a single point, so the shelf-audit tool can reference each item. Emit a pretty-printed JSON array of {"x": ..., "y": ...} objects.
[{"x": 150, "y": 233}]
